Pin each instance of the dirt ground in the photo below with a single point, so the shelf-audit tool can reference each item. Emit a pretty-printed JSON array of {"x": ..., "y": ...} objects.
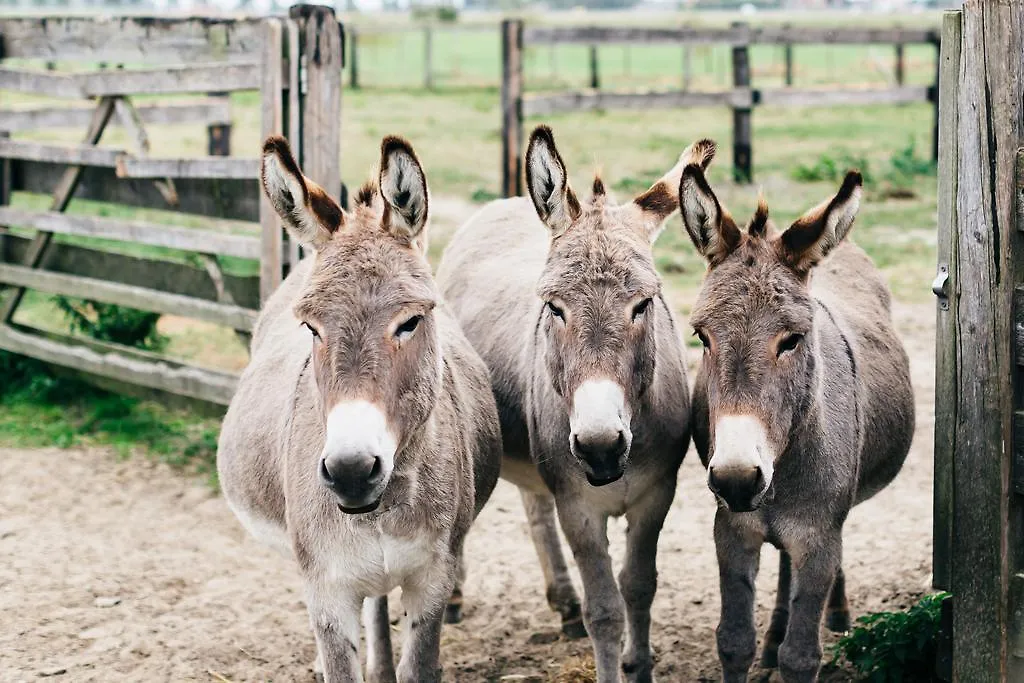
[{"x": 128, "y": 571}]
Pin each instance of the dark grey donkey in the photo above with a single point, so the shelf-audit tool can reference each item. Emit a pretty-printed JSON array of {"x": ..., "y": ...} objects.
[
  {"x": 587, "y": 367},
  {"x": 802, "y": 408},
  {"x": 364, "y": 438}
]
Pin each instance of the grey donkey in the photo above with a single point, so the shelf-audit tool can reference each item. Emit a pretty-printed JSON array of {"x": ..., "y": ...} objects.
[
  {"x": 364, "y": 437},
  {"x": 561, "y": 298},
  {"x": 802, "y": 408}
]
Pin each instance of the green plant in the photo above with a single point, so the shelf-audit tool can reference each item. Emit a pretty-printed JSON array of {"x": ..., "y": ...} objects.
[
  {"x": 894, "y": 647},
  {"x": 904, "y": 167},
  {"x": 109, "y": 322},
  {"x": 832, "y": 169}
]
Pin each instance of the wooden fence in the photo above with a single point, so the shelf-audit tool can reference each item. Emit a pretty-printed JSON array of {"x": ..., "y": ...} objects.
[
  {"x": 979, "y": 385},
  {"x": 516, "y": 104},
  {"x": 294, "y": 62}
]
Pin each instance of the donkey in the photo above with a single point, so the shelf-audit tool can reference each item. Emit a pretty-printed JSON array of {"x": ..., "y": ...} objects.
[
  {"x": 802, "y": 408},
  {"x": 364, "y": 437},
  {"x": 587, "y": 367}
]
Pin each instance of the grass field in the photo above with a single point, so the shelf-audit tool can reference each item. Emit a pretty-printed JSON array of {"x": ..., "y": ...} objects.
[{"x": 455, "y": 131}]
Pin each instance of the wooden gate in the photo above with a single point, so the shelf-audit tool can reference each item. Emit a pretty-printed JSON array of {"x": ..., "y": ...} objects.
[
  {"x": 979, "y": 412},
  {"x": 294, "y": 63}
]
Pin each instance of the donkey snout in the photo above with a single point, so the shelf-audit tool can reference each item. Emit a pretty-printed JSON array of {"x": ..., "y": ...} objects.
[
  {"x": 741, "y": 488},
  {"x": 355, "y": 479},
  {"x": 602, "y": 454}
]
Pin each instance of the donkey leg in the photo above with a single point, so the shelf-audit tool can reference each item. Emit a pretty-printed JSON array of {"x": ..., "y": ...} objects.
[
  {"x": 603, "y": 613},
  {"x": 780, "y": 616},
  {"x": 453, "y": 610},
  {"x": 813, "y": 576},
  {"x": 739, "y": 554},
  {"x": 837, "y": 618},
  {"x": 380, "y": 658},
  {"x": 562, "y": 597},
  {"x": 424, "y": 601},
  {"x": 638, "y": 579},
  {"x": 335, "y": 620}
]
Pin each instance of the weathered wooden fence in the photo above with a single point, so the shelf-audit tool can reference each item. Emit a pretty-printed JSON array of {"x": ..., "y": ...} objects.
[
  {"x": 294, "y": 62},
  {"x": 742, "y": 98},
  {"x": 979, "y": 390}
]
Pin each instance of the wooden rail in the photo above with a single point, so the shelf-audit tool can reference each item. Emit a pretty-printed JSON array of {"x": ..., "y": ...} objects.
[
  {"x": 742, "y": 98},
  {"x": 210, "y": 111},
  {"x": 165, "y": 81}
]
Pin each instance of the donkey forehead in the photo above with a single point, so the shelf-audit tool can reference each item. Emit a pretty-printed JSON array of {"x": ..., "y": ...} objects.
[
  {"x": 609, "y": 259},
  {"x": 371, "y": 272},
  {"x": 750, "y": 294}
]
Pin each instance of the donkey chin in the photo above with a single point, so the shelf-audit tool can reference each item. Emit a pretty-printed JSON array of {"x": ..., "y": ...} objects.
[
  {"x": 600, "y": 437},
  {"x": 742, "y": 463},
  {"x": 358, "y": 456}
]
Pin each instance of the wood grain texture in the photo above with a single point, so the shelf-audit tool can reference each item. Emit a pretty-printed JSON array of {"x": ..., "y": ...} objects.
[
  {"x": 209, "y": 167},
  {"x": 163, "y": 81},
  {"x": 589, "y": 100},
  {"x": 778, "y": 35},
  {"x": 512, "y": 107},
  {"x": 209, "y": 111},
  {"x": 945, "y": 343},
  {"x": 742, "y": 135},
  {"x": 987, "y": 536},
  {"x": 79, "y": 155},
  {"x": 144, "y": 299},
  {"x": 201, "y": 383},
  {"x": 272, "y": 123},
  {"x": 132, "y": 39},
  {"x": 139, "y": 232}
]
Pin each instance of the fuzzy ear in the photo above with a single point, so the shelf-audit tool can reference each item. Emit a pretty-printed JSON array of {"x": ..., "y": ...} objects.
[
  {"x": 711, "y": 228},
  {"x": 659, "y": 202},
  {"x": 403, "y": 185},
  {"x": 820, "y": 230},
  {"x": 548, "y": 183},
  {"x": 309, "y": 214}
]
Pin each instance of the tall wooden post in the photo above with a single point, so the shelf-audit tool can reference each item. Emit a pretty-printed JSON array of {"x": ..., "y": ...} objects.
[
  {"x": 687, "y": 66},
  {"x": 353, "y": 58},
  {"x": 742, "y": 163},
  {"x": 787, "y": 56},
  {"x": 511, "y": 107},
  {"x": 982, "y": 203},
  {"x": 271, "y": 123},
  {"x": 595, "y": 77},
  {"x": 5, "y": 194},
  {"x": 428, "y": 58},
  {"x": 900, "y": 66}
]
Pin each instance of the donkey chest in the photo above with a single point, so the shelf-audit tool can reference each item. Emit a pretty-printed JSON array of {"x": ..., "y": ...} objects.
[{"x": 373, "y": 562}]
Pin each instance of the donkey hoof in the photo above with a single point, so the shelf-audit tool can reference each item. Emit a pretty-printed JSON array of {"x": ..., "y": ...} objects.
[
  {"x": 573, "y": 628},
  {"x": 453, "y": 613},
  {"x": 838, "y": 621}
]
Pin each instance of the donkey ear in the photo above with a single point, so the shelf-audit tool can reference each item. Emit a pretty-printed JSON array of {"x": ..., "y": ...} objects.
[
  {"x": 711, "y": 229},
  {"x": 662, "y": 199},
  {"x": 548, "y": 182},
  {"x": 821, "y": 229},
  {"x": 309, "y": 214},
  {"x": 403, "y": 185}
]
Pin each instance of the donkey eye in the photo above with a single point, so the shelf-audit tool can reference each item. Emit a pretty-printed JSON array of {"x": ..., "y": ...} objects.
[
  {"x": 556, "y": 311},
  {"x": 408, "y": 327},
  {"x": 641, "y": 308},
  {"x": 703, "y": 339},
  {"x": 312, "y": 330},
  {"x": 790, "y": 343}
]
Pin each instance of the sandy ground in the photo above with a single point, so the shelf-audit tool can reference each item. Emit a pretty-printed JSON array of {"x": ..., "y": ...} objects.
[{"x": 126, "y": 570}]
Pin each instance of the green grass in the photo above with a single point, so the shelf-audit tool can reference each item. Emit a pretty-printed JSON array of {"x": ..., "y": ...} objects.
[{"x": 456, "y": 133}]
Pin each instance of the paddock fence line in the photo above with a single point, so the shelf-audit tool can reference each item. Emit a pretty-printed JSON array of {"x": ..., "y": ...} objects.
[
  {"x": 742, "y": 98},
  {"x": 293, "y": 62}
]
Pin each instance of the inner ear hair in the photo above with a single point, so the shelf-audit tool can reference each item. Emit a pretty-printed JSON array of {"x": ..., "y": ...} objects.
[
  {"x": 548, "y": 182},
  {"x": 307, "y": 210},
  {"x": 820, "y": 230},
  {"x": 711, "y": 228},
  {"x": 403, "y": 185}
]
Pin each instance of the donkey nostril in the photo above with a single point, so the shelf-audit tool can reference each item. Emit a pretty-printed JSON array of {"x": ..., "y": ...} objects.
[
  {"x": 620, "y": 443},
  {"x": 325, "y": 474},
  {"x": 376, "y": 469}
]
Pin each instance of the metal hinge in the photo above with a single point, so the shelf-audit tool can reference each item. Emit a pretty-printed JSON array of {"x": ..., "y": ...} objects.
[{"x": 940, "y": 287}]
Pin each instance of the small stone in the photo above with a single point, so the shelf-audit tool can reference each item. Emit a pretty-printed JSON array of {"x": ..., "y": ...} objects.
[
  {"x": 52, "y": 671},
  {"x": 697, "y": 601},
  {"x": 542, "y": 638},
  {"x": 521, "y": 678},
  {"x": 104, "y": 602}
]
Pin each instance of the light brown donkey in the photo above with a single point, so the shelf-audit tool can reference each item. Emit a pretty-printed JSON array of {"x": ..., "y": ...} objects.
[
  {"x": 562, "y": 300},
  {"x": 364, "y": 437},
  {"x": 802, "y": 409}
]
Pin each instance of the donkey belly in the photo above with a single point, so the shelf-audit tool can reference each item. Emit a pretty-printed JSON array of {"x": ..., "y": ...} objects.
[{"x": 518, "y": 468}]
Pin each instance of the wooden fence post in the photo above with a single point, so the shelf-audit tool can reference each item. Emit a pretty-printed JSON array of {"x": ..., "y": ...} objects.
[
  {"x": 5, "y": 196},
  {"x": 988, "y": 538},
  {"x": 428, "y": 58},
  {"x": 899, "y": 67},
  {"x": 687, "y": 66},
  {"x": 353, "y": 58},
  {"x": 321, "y": 45},
  {"x": 218, "y": 135},
  {"x": 595, "y": 78},
  {"x": 271, "y": 123},
  {"x": 511, "y": 107},
  {"x": 933, "y": 97},
  {"x": 787, "y": 56},
  {"x": 742, "y": 163}
]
